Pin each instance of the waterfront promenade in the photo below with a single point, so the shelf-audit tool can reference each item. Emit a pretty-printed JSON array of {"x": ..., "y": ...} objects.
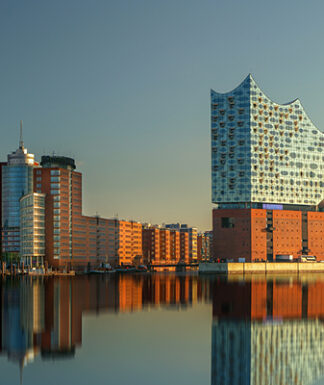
[{"x": 261, "y": 267}]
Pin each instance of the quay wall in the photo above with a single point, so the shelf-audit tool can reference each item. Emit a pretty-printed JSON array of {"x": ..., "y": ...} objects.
[{"x": 261, "y": 267}]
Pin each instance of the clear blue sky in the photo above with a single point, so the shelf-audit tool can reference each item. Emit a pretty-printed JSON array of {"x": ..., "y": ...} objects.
[{"x": 123, "y": 86}]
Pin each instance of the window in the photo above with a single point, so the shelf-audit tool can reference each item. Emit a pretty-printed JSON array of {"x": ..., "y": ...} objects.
[{"x": 228, "y": 222}]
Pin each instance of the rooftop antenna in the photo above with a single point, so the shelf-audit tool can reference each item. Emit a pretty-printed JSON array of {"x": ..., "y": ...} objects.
[{"x": 21, "y": 142}]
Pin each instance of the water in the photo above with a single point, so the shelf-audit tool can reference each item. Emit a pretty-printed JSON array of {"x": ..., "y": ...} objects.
[{"x": 162, "y": 328}]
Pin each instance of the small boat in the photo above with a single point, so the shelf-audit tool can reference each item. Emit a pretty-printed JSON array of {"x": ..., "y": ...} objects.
[
  {"x": 142, "y": 269},
  {"x": 105, "y": 269},
  {"x": 126, "y": 269}
]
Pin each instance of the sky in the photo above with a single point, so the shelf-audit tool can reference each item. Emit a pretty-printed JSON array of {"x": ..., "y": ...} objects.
[{"x": 124, "y": 86}]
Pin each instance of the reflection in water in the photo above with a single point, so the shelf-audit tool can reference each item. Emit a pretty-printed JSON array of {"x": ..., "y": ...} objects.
[
  {"x": 267, "y": 332},
  {"x": 263, "y": 331},
  {"x": 44, "y": 316}
]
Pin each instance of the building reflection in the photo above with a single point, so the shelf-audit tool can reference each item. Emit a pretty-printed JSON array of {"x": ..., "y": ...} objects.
[
  {"x": 267, "y": 332},
  {"x": 22, "y": 320},
  {"x": 263, "y": 332},
  {"x": 44, "y": 316}
]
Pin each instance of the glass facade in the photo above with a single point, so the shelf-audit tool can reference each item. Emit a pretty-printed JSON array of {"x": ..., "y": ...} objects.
[
  {"x": 264, "y": 152},
  {"x": 17, "y": 181}
]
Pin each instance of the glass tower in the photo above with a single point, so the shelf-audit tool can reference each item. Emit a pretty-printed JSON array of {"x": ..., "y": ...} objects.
[{"x": 17, "y": 181}]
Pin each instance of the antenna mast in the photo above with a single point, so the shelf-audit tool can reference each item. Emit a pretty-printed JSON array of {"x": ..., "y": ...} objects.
[{"x": 21, "y": 142}]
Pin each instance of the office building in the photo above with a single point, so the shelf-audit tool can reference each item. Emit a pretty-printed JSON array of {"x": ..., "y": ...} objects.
[
  {"x": 267, "y": 176},
  {"x": 64, "y": 227},
  {"x": 95, "y": 237},
  {"x": 184, "y": 247},
  {"x": 165, "y": 251},
  {"x": 204, "y": 242},
  {"x": 124, "y": 242},
  {"x": 32, "y": 229},
  {"x": 164, "y": 245},
  {"x": 151, "y": 244},
  {"x": 17, "y": 181},
  {"x": 174, "y": 245},
  {"x": 192, "y": 235}
]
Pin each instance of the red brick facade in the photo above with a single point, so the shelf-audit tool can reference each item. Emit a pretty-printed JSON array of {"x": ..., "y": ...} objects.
[
  {"x": 163, "y": 246},
  {"x": 259, "y": 234}
]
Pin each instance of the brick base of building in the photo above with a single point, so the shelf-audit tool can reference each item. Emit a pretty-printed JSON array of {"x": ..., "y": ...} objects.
[{"x": 260, "y": 235}]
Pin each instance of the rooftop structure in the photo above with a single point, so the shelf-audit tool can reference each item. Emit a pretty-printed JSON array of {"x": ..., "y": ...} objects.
[{"x": 58, "y": 161}]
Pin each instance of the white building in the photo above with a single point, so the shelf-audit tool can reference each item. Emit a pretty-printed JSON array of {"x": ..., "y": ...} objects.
[{"x": 32, "y": 228}]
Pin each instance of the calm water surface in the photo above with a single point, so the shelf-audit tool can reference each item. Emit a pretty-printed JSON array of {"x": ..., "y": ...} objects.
[{"x": 162, "y": 329}]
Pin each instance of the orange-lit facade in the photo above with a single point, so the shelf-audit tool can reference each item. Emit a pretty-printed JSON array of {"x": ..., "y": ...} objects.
[
  {"x": 64, "y": 227},
  {"x": 124, "y": 242},
  {"x": 174, "y": 245},
  {"x": 151, "y": 244},
  {"x": 260, "y": 234},
  {"x": 184, "y": 247},
  {"x": 165, "y": 251},
  {"x": 163, "y": 246},
  {"x": 199, "y": 246},
  {"x": 260, "y": 300},
  {"x": 204, "y": 245}
]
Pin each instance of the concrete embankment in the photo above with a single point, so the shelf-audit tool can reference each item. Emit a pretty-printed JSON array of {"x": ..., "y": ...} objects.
[{"x": 261, "y": 267}]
